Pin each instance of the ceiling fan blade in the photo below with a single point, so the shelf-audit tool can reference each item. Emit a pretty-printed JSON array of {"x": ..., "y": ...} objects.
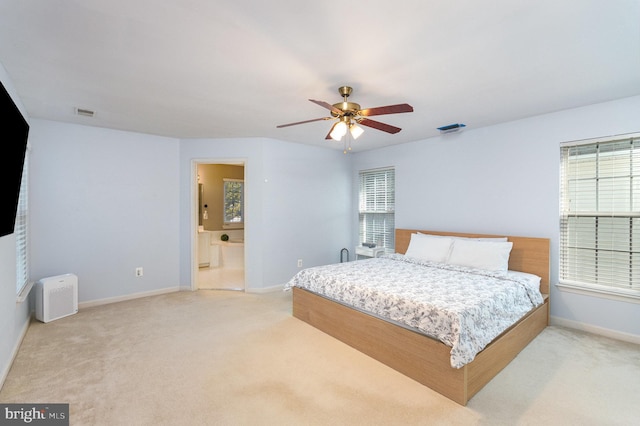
[
  {"x": 328, "y": 106},
  {"x": 303, "y": 122},
  {"x": 389, "y": 109},
  {"x": 379, "y": 126}
]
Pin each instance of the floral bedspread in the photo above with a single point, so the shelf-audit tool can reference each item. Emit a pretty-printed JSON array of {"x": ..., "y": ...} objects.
[{"x": 462, "y": 307}]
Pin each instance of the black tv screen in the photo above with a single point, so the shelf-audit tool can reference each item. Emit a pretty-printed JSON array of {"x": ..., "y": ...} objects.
[{"x": 13, "y": 147}]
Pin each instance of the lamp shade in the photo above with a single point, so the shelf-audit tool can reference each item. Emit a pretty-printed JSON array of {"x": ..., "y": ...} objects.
[
  {"x": 356, "y": 131},
  {"x": 339, "y": 130}
]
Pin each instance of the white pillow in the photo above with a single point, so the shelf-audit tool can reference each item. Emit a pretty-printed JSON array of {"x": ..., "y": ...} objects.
[
  {"x": 468, "y": 238},
  {"x": 426, "y": 247},
  {"x": 488, "y": 255}
]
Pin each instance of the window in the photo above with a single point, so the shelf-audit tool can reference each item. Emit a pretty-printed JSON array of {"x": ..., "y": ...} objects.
[
  {"x": 233, "y": 203},
  {"x": 22, "y": 258},
  {"x": 377, "y": 207},
  {"x": 600, "y": 215}
]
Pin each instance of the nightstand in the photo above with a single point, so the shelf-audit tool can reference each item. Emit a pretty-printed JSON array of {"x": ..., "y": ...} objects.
[{"x": 369, "y": 252}]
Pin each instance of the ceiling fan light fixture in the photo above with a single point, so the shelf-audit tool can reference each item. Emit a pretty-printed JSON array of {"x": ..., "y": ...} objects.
[
  {"x": 339, "y": 130},
  {"x": 356, "y": 130},
  {"x": 348, "y": 118}
]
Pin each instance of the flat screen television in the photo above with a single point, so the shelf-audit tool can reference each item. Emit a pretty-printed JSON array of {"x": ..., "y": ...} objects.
[{"x": 13, "y": 147}]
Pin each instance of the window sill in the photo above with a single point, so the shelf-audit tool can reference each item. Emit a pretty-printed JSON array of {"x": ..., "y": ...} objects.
[
  {"x": 233, "y": 226},
  {"x": 24, "y": 294},
  {"x": 601, "y": 292}
]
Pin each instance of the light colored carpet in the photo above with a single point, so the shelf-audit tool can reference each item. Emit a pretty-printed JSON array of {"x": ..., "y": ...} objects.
[{"x": 230, "y": 358}]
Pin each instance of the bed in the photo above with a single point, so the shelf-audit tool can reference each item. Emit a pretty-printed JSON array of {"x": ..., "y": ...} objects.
[{"x": 405, "y": 348}]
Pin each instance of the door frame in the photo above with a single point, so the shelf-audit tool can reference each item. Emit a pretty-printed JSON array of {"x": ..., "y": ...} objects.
[{"x": 239, "y": 161}]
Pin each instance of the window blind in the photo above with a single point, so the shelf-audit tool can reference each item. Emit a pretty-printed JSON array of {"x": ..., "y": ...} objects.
[
  {"x": 20, "y": 231},
  {"x": 377, "y": 207},
  {"x": 600, "y": 214}
]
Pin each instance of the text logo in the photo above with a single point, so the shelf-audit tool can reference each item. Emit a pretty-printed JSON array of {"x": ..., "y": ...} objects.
[{"x": 34, "y": 414}]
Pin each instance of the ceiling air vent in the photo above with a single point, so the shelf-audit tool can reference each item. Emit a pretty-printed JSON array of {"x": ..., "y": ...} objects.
[
  {"x": 450, "y": 128},
  {"x": 84, "y": 112}
]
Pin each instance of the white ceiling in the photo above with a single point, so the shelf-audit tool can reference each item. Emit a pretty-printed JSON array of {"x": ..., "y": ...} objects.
[{"x": 228, "y": 69}]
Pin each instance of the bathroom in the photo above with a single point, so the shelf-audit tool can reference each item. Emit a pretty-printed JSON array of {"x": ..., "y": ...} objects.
[{"x": 221, "y": 226}]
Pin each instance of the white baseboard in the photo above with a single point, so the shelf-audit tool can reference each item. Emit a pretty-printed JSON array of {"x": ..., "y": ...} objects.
[
  {"x": 108, "y": 300},
  {"x": 614, "y": 334},
  {"x": 14, "y": 353}
]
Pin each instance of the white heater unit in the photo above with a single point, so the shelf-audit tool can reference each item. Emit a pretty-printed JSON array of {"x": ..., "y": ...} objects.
[{"x": 56, "y": 297}]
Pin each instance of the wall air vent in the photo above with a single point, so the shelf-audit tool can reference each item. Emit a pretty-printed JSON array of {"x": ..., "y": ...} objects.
[
  {"x": 451, "y": 128},
  {"x": 84, "y": 112}
]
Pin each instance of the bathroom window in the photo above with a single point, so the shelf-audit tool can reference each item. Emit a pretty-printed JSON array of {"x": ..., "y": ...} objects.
[{"x": 233, "y": 203}]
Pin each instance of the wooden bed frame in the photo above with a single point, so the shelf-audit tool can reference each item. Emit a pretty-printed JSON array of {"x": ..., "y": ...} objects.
[{"x": 420, "y": 357}]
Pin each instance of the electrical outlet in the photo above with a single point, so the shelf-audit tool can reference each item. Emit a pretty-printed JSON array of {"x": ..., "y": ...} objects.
[
  {"x": 299, "y": 263},
  {"x": 139, "y": 271}
]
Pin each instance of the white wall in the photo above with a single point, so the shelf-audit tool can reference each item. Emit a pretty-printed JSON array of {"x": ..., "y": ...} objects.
[
  {"x": 104, "y": 202},
  {"x": 297, "y": 201},
  {"x": 307, "y": 205},
  {"x": 14, "y": 317},
  {"x": 504, "y": 179}
]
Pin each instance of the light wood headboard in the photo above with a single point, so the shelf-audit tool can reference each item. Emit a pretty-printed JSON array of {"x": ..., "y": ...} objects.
[{"x": 527, "y": 255}]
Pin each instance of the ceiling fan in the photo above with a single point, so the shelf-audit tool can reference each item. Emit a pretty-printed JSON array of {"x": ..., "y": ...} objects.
[{"x": 349, "y": 116}]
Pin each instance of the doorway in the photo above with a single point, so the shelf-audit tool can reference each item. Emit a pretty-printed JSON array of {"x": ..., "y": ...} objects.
[{"x": 219, "y": 212}]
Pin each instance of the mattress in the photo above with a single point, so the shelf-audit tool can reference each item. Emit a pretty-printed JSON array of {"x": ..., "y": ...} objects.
[{"x": 464, "y": 308}]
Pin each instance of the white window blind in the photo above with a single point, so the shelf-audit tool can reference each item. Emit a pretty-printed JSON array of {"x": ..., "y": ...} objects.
[
  {"x": 600, "y": 215},
  {"x": 377, "y": 207},
  {"x": 20, "y": 231}
]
